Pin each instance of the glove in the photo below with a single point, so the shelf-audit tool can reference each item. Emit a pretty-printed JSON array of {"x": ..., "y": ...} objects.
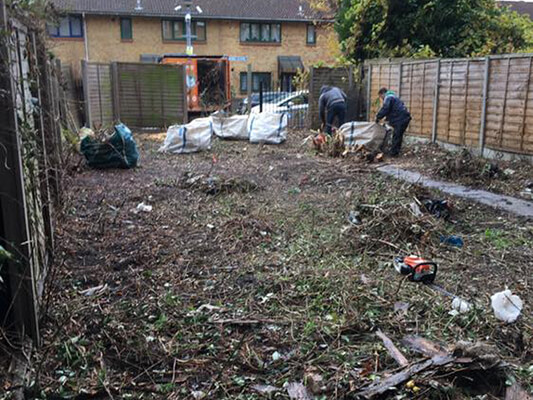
[{"x": 377, "y": 120}]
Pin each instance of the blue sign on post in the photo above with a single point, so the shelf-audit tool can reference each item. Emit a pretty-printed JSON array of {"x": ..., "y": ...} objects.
[{"x": 243, "y": 58}]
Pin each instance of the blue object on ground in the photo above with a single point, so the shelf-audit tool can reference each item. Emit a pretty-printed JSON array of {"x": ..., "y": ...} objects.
[
  {"x": 452, "y": 240},
  {"x": 119, "y": 151}
]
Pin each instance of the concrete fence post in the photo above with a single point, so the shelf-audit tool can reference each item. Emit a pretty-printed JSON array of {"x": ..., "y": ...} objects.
[
  {"x": 436, "y": 103},
  {"x": 484, "y": 107},
  {"x": 249, "y": 86},
  {"x": 369, "y": 92}
]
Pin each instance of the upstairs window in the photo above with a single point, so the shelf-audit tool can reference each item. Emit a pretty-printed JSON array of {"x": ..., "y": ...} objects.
[
  {"x": 68, "y": 27},
  {"x": 311, "y": 34},
  {"x": 176, "y": 30},
  {"x": 269, "y": 33},
  {"x": 126, "y": 29}
]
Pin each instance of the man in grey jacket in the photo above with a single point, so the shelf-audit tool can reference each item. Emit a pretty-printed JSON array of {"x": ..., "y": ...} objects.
[{"x": 331, "y": 105}]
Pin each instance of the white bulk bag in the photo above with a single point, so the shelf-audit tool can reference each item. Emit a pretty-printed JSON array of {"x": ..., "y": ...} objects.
[
  {"x": 234, "y": 127},
  {"x": 368, "y": 134},
  {"x": 269, "y": 128},
  {"x": 190, "y": 138}
]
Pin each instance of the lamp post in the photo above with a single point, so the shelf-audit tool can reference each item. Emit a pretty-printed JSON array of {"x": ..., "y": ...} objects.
[{"x": 188, "y": 21}]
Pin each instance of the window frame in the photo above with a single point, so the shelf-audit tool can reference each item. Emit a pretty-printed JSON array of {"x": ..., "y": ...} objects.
[
  {"x": 57, "y": 34},
  {"x": 122, "y": 37},
  {"x": 260, "y": 40},
  {"x": 243, "y": 81},
  {"x": 313, "y": 42},
  {"x": 194, "y": 29}
]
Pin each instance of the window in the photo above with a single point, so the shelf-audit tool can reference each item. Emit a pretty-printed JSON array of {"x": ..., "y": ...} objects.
[
  {"x": 257, "y": 78},
  {"x": 270, "y": 33},
  {"x": 176, "y": 30},
  {"x": 311, "y": 34},
  {"x": 126, "y": 29},
  {"x": 68, "y": 27}
]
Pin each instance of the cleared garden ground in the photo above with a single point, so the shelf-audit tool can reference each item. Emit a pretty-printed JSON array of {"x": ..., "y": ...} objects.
[{"x": 247, "y": 271}]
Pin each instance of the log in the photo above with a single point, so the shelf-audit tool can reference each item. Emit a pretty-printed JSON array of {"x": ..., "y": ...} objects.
[
  {"x": 392, "y": 349},
  {"x": 424, "y": 346}
]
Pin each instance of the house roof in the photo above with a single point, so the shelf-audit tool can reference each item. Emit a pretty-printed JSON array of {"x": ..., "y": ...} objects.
[
  {"x": 268, "y": 10},
  {"x": 522, "y": 7}
]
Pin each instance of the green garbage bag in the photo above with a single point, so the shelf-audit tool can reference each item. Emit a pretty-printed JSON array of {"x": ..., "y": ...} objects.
[{"x": 119, "y": 151}]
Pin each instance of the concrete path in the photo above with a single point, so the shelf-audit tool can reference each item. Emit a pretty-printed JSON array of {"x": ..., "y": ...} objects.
[{"x": 513, "y": 205}]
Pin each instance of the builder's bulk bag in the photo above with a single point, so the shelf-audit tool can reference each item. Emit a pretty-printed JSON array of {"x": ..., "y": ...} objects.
[
  {"x": 232, "y": 128},
  {"x": 118, "y": 151},
  {"x": 368, "y": 134},
  {"x": 190, "y": 138},
  {"x": 269, "y": 128}
]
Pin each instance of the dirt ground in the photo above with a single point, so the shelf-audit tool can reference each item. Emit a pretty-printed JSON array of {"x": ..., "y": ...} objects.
[
  {"x": 514, "y": 178},
  {"x": 257, "y": 277}
]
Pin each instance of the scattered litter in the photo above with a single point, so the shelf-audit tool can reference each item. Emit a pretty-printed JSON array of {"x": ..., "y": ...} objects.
[
  {"x": 210, "y": 226},
  {"x": 508, "y": 172},
  {"x": 276, "y": 356},
  {"x": 438, "y": 208},
  {"x": 401, "y": 307},
  {"x": 117, "y": 151},
  {"x": 198, "y": 394},
  {"x": 415, "y": 208},
  {"x": 97, "y": 290},
  {"x": 452, "y": 240},
  {"x": 265, "y": 389},
  {"x": 353, "y": 217},
  {"x": 141, "y": 207},
  {"x": 207, "y": 307},
  {"x": 298, "y": 391},
  {"x": 506, "y": 306},
  {"x": 460, "y": 306}
]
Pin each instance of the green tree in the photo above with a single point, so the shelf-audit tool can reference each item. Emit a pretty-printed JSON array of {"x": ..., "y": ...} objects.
[{"x": 424, "y": 28}]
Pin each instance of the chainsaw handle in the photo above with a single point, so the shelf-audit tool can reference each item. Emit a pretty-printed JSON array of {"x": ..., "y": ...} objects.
[{"x": 432, "y": 276}]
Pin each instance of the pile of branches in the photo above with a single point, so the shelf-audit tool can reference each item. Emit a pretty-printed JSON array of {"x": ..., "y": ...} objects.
[{"x": 466, "y": 165}]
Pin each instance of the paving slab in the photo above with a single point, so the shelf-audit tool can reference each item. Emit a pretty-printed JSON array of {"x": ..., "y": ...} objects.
[{"x": 511, "y": 204}]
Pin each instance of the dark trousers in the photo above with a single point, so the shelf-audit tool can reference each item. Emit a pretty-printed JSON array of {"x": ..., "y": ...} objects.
[
  {"x": 335, "y": 110},
  {"x": 397, "y": 137}
]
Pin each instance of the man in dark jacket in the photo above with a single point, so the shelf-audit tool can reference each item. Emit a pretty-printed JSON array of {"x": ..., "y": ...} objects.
[
  {"x": 331, "y": 104},
  {"x": 397, "y": 116}
]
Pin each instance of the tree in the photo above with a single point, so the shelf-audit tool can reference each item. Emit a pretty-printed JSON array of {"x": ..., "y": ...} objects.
[{"x": 423, "y": 28}]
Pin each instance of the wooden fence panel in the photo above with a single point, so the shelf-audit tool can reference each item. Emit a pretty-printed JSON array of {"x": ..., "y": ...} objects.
[
  {"x": 478, "y": 103},
  {"x": 150, "y": 95},
  {"x": 344, "y": 78},
  {"x": 98, "y": 94}
]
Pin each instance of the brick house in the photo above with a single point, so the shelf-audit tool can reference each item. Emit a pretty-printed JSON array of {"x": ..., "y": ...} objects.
[{"x": 275, "y": 36}]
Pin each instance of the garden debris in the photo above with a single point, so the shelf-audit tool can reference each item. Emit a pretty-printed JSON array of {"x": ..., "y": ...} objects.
[
  {"x": 97, "y": 290},
  {"x": 438, "y": 208},
  {"x": 265, "y": 389},
  {"x": 4, "y": 254},
  {"x": 460, "y": 306},
  {"x": 506, "y": 306},
  {"x": 117, "y": 151},
  {"x": 141, "y": 207},
  {"x": 392, "y": 349},
  {"x": 466, "y": 165},
  {"x": 213, "y": 185},
  {"x": 462, "y": 360},
  {"x": 452, "y": 240},
  {"x": 415, "y": 208},
  {"x": 298, "y": 391},
  {"x": 516, "y": 392},
  {"x": 314, "y": 381}
]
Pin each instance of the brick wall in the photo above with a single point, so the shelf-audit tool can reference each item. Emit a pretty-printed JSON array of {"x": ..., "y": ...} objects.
[{"x": 105, "y": 45}]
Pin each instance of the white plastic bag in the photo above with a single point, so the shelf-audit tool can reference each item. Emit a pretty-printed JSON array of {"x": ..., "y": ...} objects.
[
  {"x": 368, "y": 134},
  {"x": 234, "y": 127},
  {"x": 190, "y": 138},
  {"x": 506, "y": 306},
  {"x": 269, "y": 128}
]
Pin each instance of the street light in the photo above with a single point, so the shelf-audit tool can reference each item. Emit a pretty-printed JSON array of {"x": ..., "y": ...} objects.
[{"x": 188, "y": 19}]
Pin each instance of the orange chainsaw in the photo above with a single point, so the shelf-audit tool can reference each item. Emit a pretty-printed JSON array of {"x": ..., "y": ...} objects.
[{"x": 416, "y": 269}]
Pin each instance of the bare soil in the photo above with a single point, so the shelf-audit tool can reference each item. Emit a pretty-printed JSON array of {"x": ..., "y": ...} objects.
[{"x": 257, "y": 277}]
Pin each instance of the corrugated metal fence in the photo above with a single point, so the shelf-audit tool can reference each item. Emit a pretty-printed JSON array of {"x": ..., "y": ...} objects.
[
  {"x": 139, "y": 95},
  {"x": 484, "y": 103}
]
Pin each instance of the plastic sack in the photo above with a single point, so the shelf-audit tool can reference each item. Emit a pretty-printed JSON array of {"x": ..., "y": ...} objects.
[
  {"x": 234, "y": 127},
  {"x": 190, "y": 138},
  {"x": 119, "y": 151},
  {"x": 368, "y": 134},
  {"x": 269, "y": 128},
  {"x": 506, "y": 306}
]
